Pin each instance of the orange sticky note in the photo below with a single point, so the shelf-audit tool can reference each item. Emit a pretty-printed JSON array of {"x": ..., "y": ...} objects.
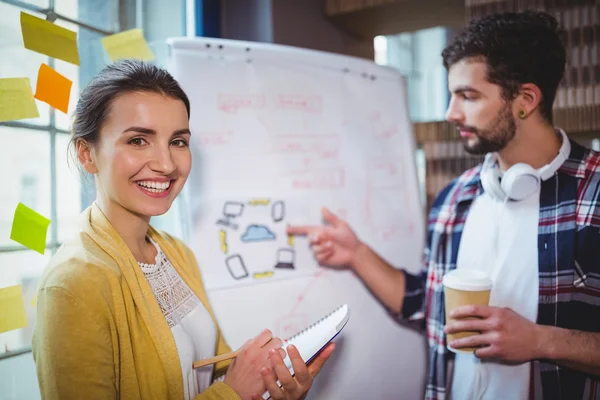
[{"x": 53, "y": 88}]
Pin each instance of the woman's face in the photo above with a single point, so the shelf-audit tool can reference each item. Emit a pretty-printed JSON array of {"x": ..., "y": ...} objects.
[{"x": 142, "y": 157}]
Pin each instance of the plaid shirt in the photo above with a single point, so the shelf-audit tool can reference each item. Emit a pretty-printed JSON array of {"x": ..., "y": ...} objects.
[{"x": 569, "y": 267}]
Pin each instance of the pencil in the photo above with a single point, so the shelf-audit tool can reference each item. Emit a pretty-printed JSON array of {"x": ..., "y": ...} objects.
[{"x": 215, "y": 359}]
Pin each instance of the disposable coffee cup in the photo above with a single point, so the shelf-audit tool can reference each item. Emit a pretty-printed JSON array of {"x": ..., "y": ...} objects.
[{"x": 465, "y": 287}]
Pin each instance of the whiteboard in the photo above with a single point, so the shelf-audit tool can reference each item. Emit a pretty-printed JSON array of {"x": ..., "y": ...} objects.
[{"x": 281, "y": 128}]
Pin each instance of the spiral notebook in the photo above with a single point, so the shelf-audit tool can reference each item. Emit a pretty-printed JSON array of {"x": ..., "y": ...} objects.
[{"x": 312, "y": 339}]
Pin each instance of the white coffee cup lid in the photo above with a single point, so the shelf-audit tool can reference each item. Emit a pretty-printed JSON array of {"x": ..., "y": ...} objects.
[{"x": 467, "y": 279}]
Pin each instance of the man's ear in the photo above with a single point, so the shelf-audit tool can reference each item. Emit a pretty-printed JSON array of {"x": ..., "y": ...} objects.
[
  {"x": 85, "y": 156},
  {"x": 529, "y": 100}
]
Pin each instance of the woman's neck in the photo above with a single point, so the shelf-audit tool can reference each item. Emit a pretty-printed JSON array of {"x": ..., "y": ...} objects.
[{"x": 132, "y": 228}]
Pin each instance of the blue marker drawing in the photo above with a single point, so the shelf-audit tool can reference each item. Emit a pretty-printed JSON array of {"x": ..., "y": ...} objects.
[{"x": 257, "y": 233}]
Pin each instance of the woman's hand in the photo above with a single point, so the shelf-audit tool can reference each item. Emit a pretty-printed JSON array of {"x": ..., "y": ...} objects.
[
  {"x": 244, "y": 373},
  {"x": 292, "y": 387}
]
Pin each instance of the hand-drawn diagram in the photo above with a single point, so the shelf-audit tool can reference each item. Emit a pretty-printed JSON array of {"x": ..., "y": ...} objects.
[
  {"x": 382, "y": 129},
  {"x": 215, "y": 138},
  {"x": 324, "y": 179},
  {"x": 260, "y": 275},
  {"x": 236, "y": 267},
  {"x": 231, "y": 210},
  {"x": 253, "y": 240},
  {"x": 285, "y": 258},
  {"x": 300, "y": 103},
  {"x": 386, "y": 196},
  {"x": 259, "y": 202},
  {"x": 257, "y": 233},
  {"x": 223, "y": 240},
  {"x": 231, "y": 103},
  {"x": 278, "y": 211}
]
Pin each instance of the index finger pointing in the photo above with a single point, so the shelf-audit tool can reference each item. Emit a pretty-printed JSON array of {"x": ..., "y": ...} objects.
[{"x": 300, "y": 230}]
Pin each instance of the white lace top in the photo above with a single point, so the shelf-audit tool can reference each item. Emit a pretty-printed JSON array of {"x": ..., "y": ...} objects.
[{"x": 192, "y": 326}]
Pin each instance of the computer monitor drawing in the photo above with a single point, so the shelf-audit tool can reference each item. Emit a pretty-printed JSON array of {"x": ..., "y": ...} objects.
[
  {"x": 285, "y": 258},
  {"x": 231, "y": 210}
]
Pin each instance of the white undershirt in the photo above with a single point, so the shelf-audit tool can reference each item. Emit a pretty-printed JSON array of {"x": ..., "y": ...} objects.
[
  {"x": 515, "y": 279},
  {"x": 192, "y": 326}
]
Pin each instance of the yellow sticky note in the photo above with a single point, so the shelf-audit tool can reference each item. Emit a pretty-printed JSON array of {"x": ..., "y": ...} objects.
[
  {"x": 128, "y": 44},
  {"x": 16, "y": 100},
  {"x": 223, "y": 239},
  {"x": 12, "y": 309},
  {"x": 53, "y": 88},
  {"x": 29, "y": 228},
  {"x": 261, "y": 275},
  {"x": 259, "y": 202},
  {"x": 49, "y": 39}
]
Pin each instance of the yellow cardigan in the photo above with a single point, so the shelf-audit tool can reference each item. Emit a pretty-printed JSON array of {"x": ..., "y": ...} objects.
[{"x": 100, "y": 333}]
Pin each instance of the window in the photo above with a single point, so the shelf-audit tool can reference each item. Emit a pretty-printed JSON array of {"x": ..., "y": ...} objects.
[
  {"x": 33, "y": 153},
  {"x": 417, "y": 56}
]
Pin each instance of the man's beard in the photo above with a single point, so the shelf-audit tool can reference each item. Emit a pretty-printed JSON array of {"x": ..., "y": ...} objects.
[{"x": 495, "y": 136}]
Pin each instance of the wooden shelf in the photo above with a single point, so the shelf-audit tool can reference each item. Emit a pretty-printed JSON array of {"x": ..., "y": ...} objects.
[{"x": 368, "y": 18}]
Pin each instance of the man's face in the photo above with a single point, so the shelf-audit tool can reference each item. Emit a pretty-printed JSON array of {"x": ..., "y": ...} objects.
[{"x": 483, "y": 118}]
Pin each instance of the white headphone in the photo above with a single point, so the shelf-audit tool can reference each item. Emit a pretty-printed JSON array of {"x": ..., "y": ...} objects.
[{"x": 521, "y": 180}]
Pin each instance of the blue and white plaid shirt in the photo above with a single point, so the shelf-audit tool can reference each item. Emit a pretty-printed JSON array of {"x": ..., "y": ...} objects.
[{"x": 569, "y": 268}]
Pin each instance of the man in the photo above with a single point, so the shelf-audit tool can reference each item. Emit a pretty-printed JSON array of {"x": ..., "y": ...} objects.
[{"x": 529, "y": 217}]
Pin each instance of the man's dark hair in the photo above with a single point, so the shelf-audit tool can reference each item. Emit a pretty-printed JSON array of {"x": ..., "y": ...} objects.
[{"x": 518, "y": 48}]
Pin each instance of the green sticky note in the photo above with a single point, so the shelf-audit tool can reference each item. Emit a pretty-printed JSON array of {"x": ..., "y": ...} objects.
[
  {"x": 29, "y": 228},
  {"x": 12, "y": 309}
]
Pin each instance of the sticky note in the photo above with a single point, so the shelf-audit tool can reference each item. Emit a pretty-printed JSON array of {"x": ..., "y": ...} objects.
[
  {"x": 128, "y": 44},
  {"x": 29, "y": 228},
  {"x": 16, "y": 100},
  {"x": 53, "y": 88},
  {"x": 12, "y": 309},
  {"x": 47, "y": 38},
  {"x": 260, "y": 275}
]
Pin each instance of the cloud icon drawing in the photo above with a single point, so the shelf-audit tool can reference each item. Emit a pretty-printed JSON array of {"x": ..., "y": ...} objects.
[{"x": 257, "y": 233}]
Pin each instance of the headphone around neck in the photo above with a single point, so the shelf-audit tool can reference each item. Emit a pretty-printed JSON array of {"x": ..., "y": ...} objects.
[{"x": 521, "y": 180}]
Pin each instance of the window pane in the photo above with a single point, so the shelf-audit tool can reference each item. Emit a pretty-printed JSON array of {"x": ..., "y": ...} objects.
[
  {"x": 25, "y": 174},
  {"x": 15, "y": 60},
  {"x": 22, "y": 268},
  {"x": 92, "y": 58},
  {"x": 68, "y": 189},
  {"x": 70, "y": 71},
  {"x": 100, "y": 14}
]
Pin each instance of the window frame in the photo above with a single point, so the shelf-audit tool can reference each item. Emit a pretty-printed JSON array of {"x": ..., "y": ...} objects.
[{"x": 52, "y": 129}]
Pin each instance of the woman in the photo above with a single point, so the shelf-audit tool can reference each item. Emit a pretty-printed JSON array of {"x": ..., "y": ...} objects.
[{"x": 122, "y": 312}]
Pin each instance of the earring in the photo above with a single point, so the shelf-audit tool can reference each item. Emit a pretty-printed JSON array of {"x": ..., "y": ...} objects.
[{"x": 522, "y": 114}]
